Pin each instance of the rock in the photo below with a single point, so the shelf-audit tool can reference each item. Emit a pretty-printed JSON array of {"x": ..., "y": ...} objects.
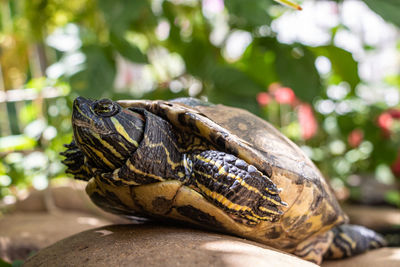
[
  {"x": 371, "y": 191},
  {"x": 154, "y": 245},
  {"x": 24, "y": 233},
  {"x": 377, "y": 218},
  {"x": 33, "y": 202},
  {"x": 72, "y": 196},
  {"x": 387, "y": 257},
  {"x": 63, "y": 194}
]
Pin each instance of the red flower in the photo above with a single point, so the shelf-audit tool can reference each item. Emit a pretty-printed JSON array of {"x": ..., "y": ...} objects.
[
  {"x": 355, "y": 138},
  {"x": 284, "y": 95},
  {"x": 396, "y": 166},
  {"x": 385, "y": 122},
  {"x": 394, "y": 113},
  {"x": 308, "y": 123},
  {"x": 263, "y": 99}
]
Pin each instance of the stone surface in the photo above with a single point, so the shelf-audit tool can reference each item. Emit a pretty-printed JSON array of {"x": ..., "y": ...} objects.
[
  {"x": 24, "y": 233},
  {"x": 378, "y": 218},
  {"x": 385, "y": 257},
  {"x": 63, "y": 194},
  {"x": 154, "y": 245}
]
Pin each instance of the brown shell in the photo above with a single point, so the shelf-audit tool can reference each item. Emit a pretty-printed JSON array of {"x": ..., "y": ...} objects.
[{"x": 312, "y": 207}]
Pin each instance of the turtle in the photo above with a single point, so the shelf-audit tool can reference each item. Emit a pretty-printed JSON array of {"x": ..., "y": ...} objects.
[{"x": 215, "y": 166}]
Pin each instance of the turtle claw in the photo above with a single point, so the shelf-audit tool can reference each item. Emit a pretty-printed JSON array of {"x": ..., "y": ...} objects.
[{"x": 75, "y": 162}]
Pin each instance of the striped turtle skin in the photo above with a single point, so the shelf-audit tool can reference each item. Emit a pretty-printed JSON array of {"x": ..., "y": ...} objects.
[{"x": 216, "y": 166}]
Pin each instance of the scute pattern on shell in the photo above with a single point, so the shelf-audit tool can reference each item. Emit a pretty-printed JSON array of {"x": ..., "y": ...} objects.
[{"x": 312, "y": 207}]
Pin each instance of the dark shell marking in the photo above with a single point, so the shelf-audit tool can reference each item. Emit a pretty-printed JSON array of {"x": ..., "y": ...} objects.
[
  {"x": 199, "y": 216},
  {"x": 162, "y": 205}
]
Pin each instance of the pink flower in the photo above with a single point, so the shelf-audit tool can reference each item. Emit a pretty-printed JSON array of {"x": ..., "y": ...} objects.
[
  {"x": 396, "y": 166},
  {"x": 355, "y": 138},
  {"x": 385, "y": 122},
  {"x": 263, "y": 99},
  {"x": 284, "y": 95},
  {"x": 307, "y": 121}
]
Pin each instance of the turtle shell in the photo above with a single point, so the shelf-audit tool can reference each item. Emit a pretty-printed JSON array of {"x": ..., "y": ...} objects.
[{"x": 312, "y": 207}]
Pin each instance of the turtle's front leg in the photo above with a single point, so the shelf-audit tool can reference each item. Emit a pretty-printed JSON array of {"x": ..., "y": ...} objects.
[
  {"x": 233, "y": 185},
  {"x": 75, "y": 162}
]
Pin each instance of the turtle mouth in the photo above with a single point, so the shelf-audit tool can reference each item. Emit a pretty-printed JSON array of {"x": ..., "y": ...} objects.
[{"x": 89, "y": 127}]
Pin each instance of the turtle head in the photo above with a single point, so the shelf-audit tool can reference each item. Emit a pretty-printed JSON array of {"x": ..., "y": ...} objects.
[{"x": 106, "y": 133}]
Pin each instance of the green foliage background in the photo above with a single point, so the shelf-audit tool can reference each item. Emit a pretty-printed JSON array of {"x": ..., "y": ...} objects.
[{"x": 108, "y": 30}]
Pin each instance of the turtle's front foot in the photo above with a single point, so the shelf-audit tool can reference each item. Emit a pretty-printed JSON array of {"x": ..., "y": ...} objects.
[
  {"x": 235, "y": 186},
  {"x": 75, "y": 162}
]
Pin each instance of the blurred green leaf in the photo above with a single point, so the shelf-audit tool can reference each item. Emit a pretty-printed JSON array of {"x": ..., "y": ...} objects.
[
  {"x": 121, "y": 14},
  {"x": 393, "y": 197},
  {"x": 342, "y": 61},
  {"x": 233, "y": 81},
  {"x": 389, "y": 10},
  {"x": 28, "y": 113},
  {"x": 163, "y": 94},
  {"x": 199, "y": 56},
  {"x": 128, "y": 50},
  {"x": 299, "y": 73},
  {"x": 384, "y": 152},
  {"x": 226, "y": 84},
  {"x": 4, "y": 263},
  {"x": 346, "y": 123},
  {"x": 259, "y": 64},
  {"x": 231, "y": 86},
  {"x": 16, "y": 142},
  {"x": 97, "y": 78},
  {"x": 393, "y": 80},
  {"x": 250, "y": 13},
  {"x": 295, "y": 66}
]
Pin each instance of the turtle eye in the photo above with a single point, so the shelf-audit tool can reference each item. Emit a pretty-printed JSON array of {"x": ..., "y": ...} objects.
[{"x": 105, "y": 108}]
